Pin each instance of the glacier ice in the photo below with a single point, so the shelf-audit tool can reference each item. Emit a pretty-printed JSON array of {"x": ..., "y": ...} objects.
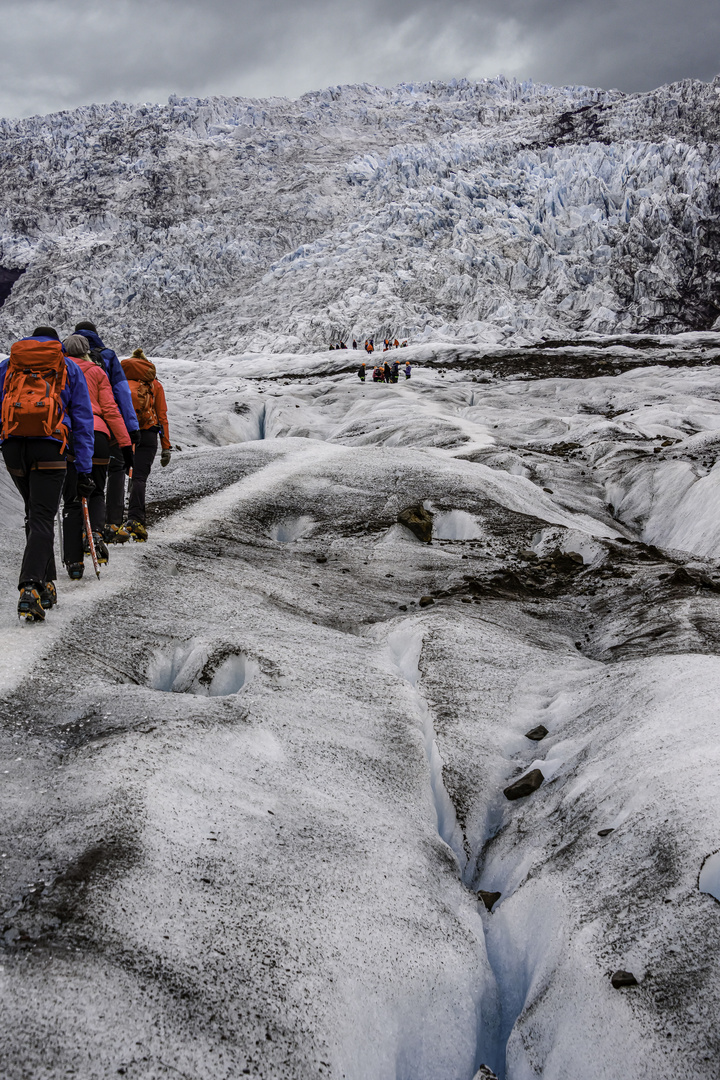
[{"x": 471, "y": 211}]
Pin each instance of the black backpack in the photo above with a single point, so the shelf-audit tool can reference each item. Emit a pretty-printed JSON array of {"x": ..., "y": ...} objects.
[{"x": 96, "y": 355}]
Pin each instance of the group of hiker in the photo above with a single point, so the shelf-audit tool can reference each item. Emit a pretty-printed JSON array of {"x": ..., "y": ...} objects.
[
  {"x": 388, "y": 373},
  {"x": 388, "y": 344},
  {"x": 76, "y": 419},
  {"x": 369, "y": 345}
]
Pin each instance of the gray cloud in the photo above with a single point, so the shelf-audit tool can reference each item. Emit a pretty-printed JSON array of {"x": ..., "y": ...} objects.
[{"x": 58, "y": 54}]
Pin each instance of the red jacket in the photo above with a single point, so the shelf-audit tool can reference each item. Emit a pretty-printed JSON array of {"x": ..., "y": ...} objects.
[{"x": 106, "y": 415}]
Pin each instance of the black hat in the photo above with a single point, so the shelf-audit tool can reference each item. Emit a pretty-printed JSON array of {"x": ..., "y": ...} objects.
[
  {"x": 45, "y": 331},
  {"x": 86, "y": 326}
]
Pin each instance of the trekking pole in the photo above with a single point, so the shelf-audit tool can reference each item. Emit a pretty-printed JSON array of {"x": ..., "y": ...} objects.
[
  {"x": 60, "y": 535},
  {"x": 88, "y": 533}
]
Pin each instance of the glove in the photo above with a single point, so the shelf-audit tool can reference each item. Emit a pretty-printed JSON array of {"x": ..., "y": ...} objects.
[
  {"x": 165, "y": 458},
  {"x": 135, "y": 436},
  {"x": 127, "y": 456},
  {"x": 85, "y": 485}
]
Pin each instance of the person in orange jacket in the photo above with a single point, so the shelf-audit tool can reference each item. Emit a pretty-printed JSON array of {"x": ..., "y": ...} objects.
[
  {"x": 150, "y": 407},
  {"x": 108, "y": 424}
]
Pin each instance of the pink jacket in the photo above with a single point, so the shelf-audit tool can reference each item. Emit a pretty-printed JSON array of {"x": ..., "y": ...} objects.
[{"x": 106, "y": 415}]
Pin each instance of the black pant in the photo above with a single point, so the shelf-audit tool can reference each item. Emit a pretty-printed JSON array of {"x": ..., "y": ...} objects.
[
  {"x": 143, "y": 458},
  {"x": 72, "y": 504},
  {"x": 38, "y": 470},
  {"x": 115, "y": 510}
]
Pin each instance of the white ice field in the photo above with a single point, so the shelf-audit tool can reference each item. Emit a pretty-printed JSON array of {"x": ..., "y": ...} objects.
[{"x": 251, "y": 789}]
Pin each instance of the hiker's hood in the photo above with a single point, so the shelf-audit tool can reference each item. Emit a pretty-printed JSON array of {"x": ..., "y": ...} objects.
[
  {"x": 95, "y": 340},
  {"x": 138, "y": 369}
]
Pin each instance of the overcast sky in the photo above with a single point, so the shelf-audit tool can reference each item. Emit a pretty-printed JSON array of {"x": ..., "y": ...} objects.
[{"x": 57, "y": 54}]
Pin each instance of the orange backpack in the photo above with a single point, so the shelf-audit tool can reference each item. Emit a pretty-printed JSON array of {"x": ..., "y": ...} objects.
[
  {"x": 35, "y": 378},
  {"x": 143, "y": 399},
  {"x": 140, "y": 374}
]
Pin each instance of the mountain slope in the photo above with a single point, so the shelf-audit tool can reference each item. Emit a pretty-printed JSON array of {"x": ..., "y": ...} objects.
[{"x": 474, "y": 211}]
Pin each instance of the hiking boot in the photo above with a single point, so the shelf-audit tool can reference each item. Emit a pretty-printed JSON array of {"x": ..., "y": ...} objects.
[
  {"x": 115, "y": 534},
  {"x": 75, "y": 570},
  {"x": 48, "y": 595},
  {"x": 101, "y": 552},
  {"x": 137, "y": 530},
  {"x": 29, "y": 605}
]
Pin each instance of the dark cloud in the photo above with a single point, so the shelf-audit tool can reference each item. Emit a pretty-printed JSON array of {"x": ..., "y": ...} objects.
[{"x": 61, "y": 53}]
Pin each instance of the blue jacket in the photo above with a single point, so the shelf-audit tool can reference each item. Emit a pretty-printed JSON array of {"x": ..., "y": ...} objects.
[
  {"x": 78, "y": 414},
  {"x": 118, "y": 381}
]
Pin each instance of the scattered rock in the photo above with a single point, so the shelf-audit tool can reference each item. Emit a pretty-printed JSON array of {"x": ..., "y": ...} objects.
[
  {"x": 527, "y": 554},
  {"x": 567, "y": 562},
  {"x": 321, "y": 558},
  {"x": 525, "y": 785},
  {"x": 426, "y": 601},
  {"x": 485, "y": 1073},
  {"x": 402, "y": 607},
  {"x": 537, "y": 733},
  {"x": 623, "y": 978},
  {"x": 605, "y": 832},
  {"x": 466, "y": 600},
  {"x": 683, "y": 576},
  {"x": 418, "y": 520},
  {"x": 549, "y": 491},
  {"x": 488, "y": 898}
]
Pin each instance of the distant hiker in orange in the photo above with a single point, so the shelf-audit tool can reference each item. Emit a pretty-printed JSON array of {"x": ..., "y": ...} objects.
[{"x": 150, "y": 407}]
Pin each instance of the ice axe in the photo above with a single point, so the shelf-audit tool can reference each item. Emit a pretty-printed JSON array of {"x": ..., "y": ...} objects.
[{"x": 90, "y": 539}]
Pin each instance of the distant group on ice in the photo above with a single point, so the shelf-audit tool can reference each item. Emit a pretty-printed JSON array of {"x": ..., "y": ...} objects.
[
  {"x": 75, "y": 419},
  {"x": 369, "y": 345},
  {"x": 388, "y": 373}
]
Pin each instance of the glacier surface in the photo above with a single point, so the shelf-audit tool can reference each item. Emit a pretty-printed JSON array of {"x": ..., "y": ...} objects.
[{"x": 252, "y": 791}]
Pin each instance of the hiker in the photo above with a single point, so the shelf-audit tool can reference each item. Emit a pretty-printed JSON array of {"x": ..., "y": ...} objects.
[
  {"x": 45, "y": 400},
  {"x": 395, "y": 371},
  {"x": 115, "y": 498},
  {"x": 150, "y": 407},
  {"x": 407, "y": 369},
  {"x": 386, "y": 372},
  {"x": 396, "y": 343},
  {"x": 361, "y": 373},
  {"x": 354, "y": 344},
  {"x": 377, "y": 374},
  {"x": 108, "y": 424}
]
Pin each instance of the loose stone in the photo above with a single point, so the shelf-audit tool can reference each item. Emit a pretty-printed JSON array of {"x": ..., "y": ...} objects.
[{"x": 525, "y": 785}]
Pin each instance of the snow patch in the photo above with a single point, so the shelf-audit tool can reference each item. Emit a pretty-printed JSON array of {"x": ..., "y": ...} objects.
[
  {"x": 456, "y": 525},
  {"x": 710, "y": 876},
  {"x": 187, "y": 669},
  {"x": 291, "y": 529}
]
